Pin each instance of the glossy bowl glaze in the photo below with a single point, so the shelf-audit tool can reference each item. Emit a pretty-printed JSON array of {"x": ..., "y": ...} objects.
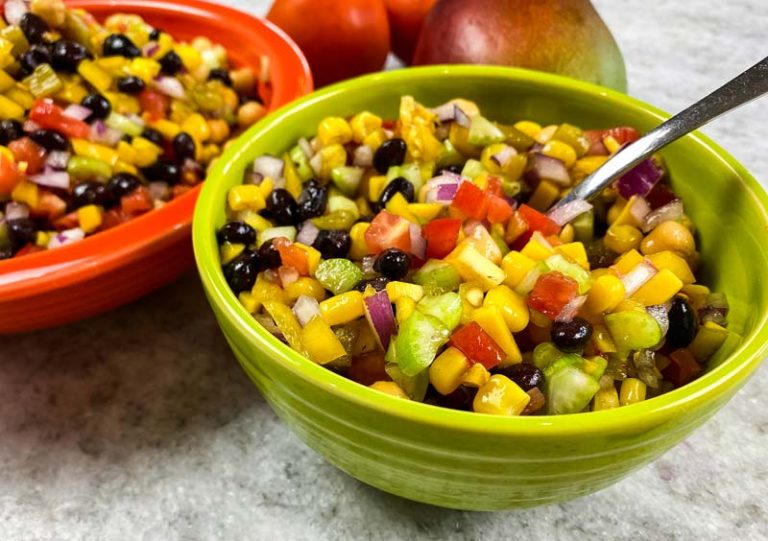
[
  {"x": 472, "y": 461},
  {"x": 119, "y": 265}
]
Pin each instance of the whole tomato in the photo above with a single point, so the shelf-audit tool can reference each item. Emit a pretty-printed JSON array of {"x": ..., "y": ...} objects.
[
  {"x": 405, "y": 20},
  {"x": 340, "y": 38}
]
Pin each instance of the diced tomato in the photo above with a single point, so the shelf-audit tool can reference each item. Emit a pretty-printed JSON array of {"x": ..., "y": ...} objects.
[
  {"x": 388, "y": 230},
  {"x": 137, "y": 202},
  {"x": 494, "y": 186},
  {"x": 441, "y": 235},
  {"x": 49, "y": 205},
  {"x": 499, "y": 210},
  {"x": 68, "y": 221},
  {"x": 622, "y": 134},
  {"x": 179, "y": 189},
  {"x": 477, "y": 345},
  {"x": 29, "y": 249},
  {"x": 368, "y": 368},
  {"x": 154, "y": 103},
  {"x": 596, "y": 147},
  {"x": 516, "y": 227},
  {"x": 471, "y": 201},
  {"x": 26, "y": 150},
  {"x": 291, "y": 255},
  {"x": 552, "y": 292},
  {"x": 388, "y": 124},
  {"x": 50, "y": 116},
  {"x": 113, "y": 217},
  {"x": 9, "y": 175},
  {"x": 682, "y": 367},
  {"x": 538, "y": 221},
  {"x": 659, "y": 196}
]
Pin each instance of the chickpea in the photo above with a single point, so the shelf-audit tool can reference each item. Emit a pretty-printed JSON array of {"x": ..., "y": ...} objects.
[
  {"x": 243, "y": 80},
  {"x": 669, "y": 235},
  {"x": 219, "y": 130},
  {"x": 249, "y": 112}
]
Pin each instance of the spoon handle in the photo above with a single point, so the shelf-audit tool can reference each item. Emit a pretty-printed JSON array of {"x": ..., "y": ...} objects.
[{"x": 751, "y": 84}]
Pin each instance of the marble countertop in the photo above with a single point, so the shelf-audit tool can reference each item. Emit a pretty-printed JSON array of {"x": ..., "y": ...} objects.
[{"x": 139, "y": 424}]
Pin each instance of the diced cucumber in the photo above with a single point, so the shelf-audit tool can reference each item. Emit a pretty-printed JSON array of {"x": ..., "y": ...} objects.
[
  {"x": 472, "y": 169},
  {"x": 287, "y": 231},
  {"x": 341, "y": 203},
  {"x": 569, "y": 390},
  {"x": 584, "y": 226},
  {"x": 483, "y": 132},
  {"x": 567, "y": 359},
  {"x": 301, "y": 162},
  {"x": 437, "y": 277},
  {"x": 347, "y": 179},
  {"x": 545, "y": 354},
  {"x": 446, "y": 307},
  {"x": 414, "y": 386},
  {"x": 409, "y": 171},
  {"x": 595, "y": 366},
  {"x": 633, "y": 329},
  {"x": 558, "y": 263},
  {"x": 338, "y": 275},
  {"x": 417, "y": 342}
]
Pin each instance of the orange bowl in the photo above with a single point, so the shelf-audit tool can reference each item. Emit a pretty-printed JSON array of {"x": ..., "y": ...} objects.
[{"x": 119, "y": 265}]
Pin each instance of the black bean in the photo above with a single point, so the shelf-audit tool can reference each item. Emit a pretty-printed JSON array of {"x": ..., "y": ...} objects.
[
  {"x": 282, "y": 208},
  {"x": 237, "y": 232},
  {"x": 37, "y": 54},
  {"x": 155, "y": 34},
  {"x": 151, "y": 134},
  {"x": 120, "y": 45},
  {"x": 164, "y": 170},
  {"x": 10, "y": 130},
  {"x": 34, "y": 27},
  {"x": 332, "y": 243},
  {"x": 397, "y": 185},
  {"x": 122, "y": 184},
  {"x": 269, "y": 257},
  {"x": 525, "y": 375},
  {"x": 183, "y": 146},
  {"x": 571, "y": 336},
  {"x": 6, "y": 252},
  {"x": 241, "y": 272},
  {"x": 392, "y": 263},
  {"x": 66, "y": 55},
  {"x": 460, "y": 399},
  {"x": 170, "y": 63},
  {"x": 49, "y": 139},
  {"x": 220, "y": 75},
  {"x": 130, "y": 84},
  {"x": 99, "y": 106},
  {"x": 455, "y": 169},
  {"x": 379, "y": 283},
  {"x": 21, "y": 232},
  {"x": 389, "y": 153},
  {"x": 91, "y": 193},
  {"x": 312, "y": 200},
  {"x": 682, "y": 323}
]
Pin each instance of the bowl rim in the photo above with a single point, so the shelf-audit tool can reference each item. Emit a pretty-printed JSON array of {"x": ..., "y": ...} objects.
[
  {"x": 732, "y": 372},
  {"x": 39, "y": 272}
]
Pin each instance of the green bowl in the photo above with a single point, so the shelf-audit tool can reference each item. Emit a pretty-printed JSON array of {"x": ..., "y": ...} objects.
[{"x": 473, "y": 461}]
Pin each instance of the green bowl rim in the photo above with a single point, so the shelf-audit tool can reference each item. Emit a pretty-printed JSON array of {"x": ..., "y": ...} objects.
[{"x": 733, "y": 371}]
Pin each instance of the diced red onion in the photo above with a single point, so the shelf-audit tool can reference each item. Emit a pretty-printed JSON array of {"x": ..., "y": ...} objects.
[
  {"x": 52, "y": 178},
  {"x": 252, "y": 177},
  {"x": 269, "y": 166},
  {"x": 639, "y": 209},
  {"x": 547, "y": 168},
  {"x": 57, "y": 159},
  {"x": 14, "y": 11},
  {"x": 418, "y": 242},
  {"x": 381, "y": 317},
  {"x": 461, "y": 118},
  {"x": 158, "y": 190},
  {"x": 660, "y": 312},
  {"x": 443, "y": 188},
  {"x": 470, "y": 226},
  {"x": 67, "y": 236},
  {"x": 76, "y": 111},
  {"x": 570, "y": 310},
  {"x": 445, "y": 112},
  {"x": 305, "y": 309},
  {"x": 504, "y": 155},
  {"x": 637, "y": 277},
  {"x": 16, "y": 211},
  {"x": 102, "y": 134},
  {"x": 306, "y": 148},
  {"x": 30, "y": 126},
  {"x": 170, "y": 86},
  {"x": 150, "y": 49},
  {"x": 670, "y": 212},
  {"x": 568, "y": 212},
  {"x": 639, "y": 180},
  {"x": 308, "y": 233},
  {"x": 287, "y": 275},
  {"x": 363, "y": 156},
  {"x": 367, "y": 264}
]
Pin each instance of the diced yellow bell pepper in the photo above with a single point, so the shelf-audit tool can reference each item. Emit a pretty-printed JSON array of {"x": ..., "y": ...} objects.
[
  {"x": 398, "y": 205},
  {"x": 112, "y": 64},
  {"x": 93, "y": 150},
  {"x": 264, "y": 290},
  {"x": 331, "y": 157},
  {"x": 292, "y": 180},
  {"x": 249, "y": 302},
  {"x": 659, "y": 289},
  {"x": 145, "y": 69},
  {"x": 320, "y": 342},
  {"x": 376, "y": 185},
  {"x": 21, "y": 96},
  {"x": 42, "y": 238},
  {"x": 425, "y": 212},
  {"x": 289, "y": 326},
  {"x": 611, "y": 144},
  {"x": 404, "y": 307},
  {"x": 670, "y": 260},
  {"x": 447, "y": 370},
  {"x": 606, "y": 293},
  {"x": 89, "y": 218},
  {"x": 229, "y": 251},
  {"x": 516, "y": 266},
  {"x": 10, "y": 110},
  {"x": 359, "y": 248},
  {"x": 266, "y": 186},
  {"x": 123, "y": 167},
  {"x": 27, "y": 193},
  {"x": 473, "y": 267},
  {"x": 91, "y": 72},
  {"x": 500, "y": 396},
  {"x": 190, "y": 56},
  {"x": 254, "y": 219},
  {"x": 245, "y": 196},
  {"x": 396, "y": 289},
  {"x": 574, "y": 251},
  {"x": 363, "y": 124},
  {"x": 511, "y": 305},
  {"x": 476, "y": 376},
  {"x": 146, "y": 151},
  {"x": 626, "y": 216},
  {"x": 342, "y": 308},
  {"x": 708, "y": 340},
  {"x": 492, "y": 321},
  {"x": 304, "y": 286}
]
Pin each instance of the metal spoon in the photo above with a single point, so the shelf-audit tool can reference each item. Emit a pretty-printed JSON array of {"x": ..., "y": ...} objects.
[{"x": 751, "y": 84}]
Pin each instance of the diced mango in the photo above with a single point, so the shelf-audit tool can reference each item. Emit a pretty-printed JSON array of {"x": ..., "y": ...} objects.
[
  {"x": 516, "y": 267},
  {"x": 492, "y": 321},
  {"x": 670, "y": 260},
  {"x": 320, "y": 342},
  {"x": 659, "y": 289}
]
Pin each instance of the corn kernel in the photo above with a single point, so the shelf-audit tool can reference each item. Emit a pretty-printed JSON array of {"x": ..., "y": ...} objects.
[
  {"x": 190, "y": 56},
  {"x": 622, "y": 238},
  {"x": 229, "y": 251},
  {"x": 375, "y": 139},
  {"x": 659, "y": 289},
  {"x": 404, "y": 307},
  {"x": 266, "y": 291},
  {"x": 447, "y": 370},
  {"x": 146, "y": 151},
  {"x": 396, "y": 289},
  {"x": 359, "y": 248},
  {"x": 196, "y": 126},
  {"x": 331, "y": 157},
  {"x": 334, "y": 130},
  {"x": 500, "y": 396},
  {"x": 492, "y": 321},
  {"x": 511, "y": 305},
  {"x": 606, "y": 293},
  {"x": 91, "y": 72},
  {"x": 632, "y": 391},
  {"x": 606, "y": 399},
  {"x": 476, "y": 376},
  {"x": 544, "y": 195},
  {"x": 611, "y": 144},
  {"x": 89, "y": 218},
  {"x": 602, "y": 339},
  {"x": 560, "y": 151},
  {"x": 27, "y": 193},
  {"x": 342, "y": 308},
  {"x": 531, "y": 129},
  {"x": 245, "y": 196},
  {"x": 363, "y": 124},
  {"x": 167, "y": 128},
  {"x": 304, "y": 286},
  {"x": 320, "y": 342},
  {"x": 516, "y": 267},
  {"x": 390, "y": 388},
  {"x": 92, "y": 150}
]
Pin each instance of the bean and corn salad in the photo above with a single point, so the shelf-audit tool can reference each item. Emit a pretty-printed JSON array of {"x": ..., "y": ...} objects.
[
  {"x": 417, "y": 257},
  {"x": 100, "y": 123}
]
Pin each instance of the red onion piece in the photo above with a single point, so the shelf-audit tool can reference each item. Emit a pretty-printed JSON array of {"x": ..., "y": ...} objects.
[
  {"x": 546, "y": 168},
  {"x": 639, "y": 208},
  {"x": 30, "y": 126},
  {"x": 269, "y": 166},
  {"x": 16, "y": 211},
  {"x": 101, "y": 133},
  {"x": 461, "y": 118},
  {"x": 150, "y": 49},
  {"x": 670, "y": 212},
  {"x": 380, "y": 316},
  {"x": 418, "y": 242},
  {"x": 568, "y": 212},
  {"x": 367, "y": 265},
  {"x": 504, "y": 155},
  {"x": 170, "y": 86},
  {"x": 57, "y": 159},
  {"x": 306, "y": 148},
  {"x": 252, "y": 177},
  {"x": 445, "y": 112},
  {"x": 305, "y": 309},
  {"x": 637, "y": 277},
  {"x": 308, "y": 233},
  {"x": 68, "y": 236},
  {"x": 639, "y": 180},
  {"x": 570, "y": 310},
  {"x": 441, "y": 189},
  {"x": 14, "y": 11},
  {"x": 52, "y": 179},
  {"x": 363, "y": 156},
  {"x": 287, "y": 275},
  {"x": 158, "y": 190},
  {"x": 660, "y": 312},
  {"x": 78, "y": 112}
]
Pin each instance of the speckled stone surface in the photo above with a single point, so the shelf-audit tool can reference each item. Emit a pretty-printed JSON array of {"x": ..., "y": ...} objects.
[{"x": 140, "y": 424}]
